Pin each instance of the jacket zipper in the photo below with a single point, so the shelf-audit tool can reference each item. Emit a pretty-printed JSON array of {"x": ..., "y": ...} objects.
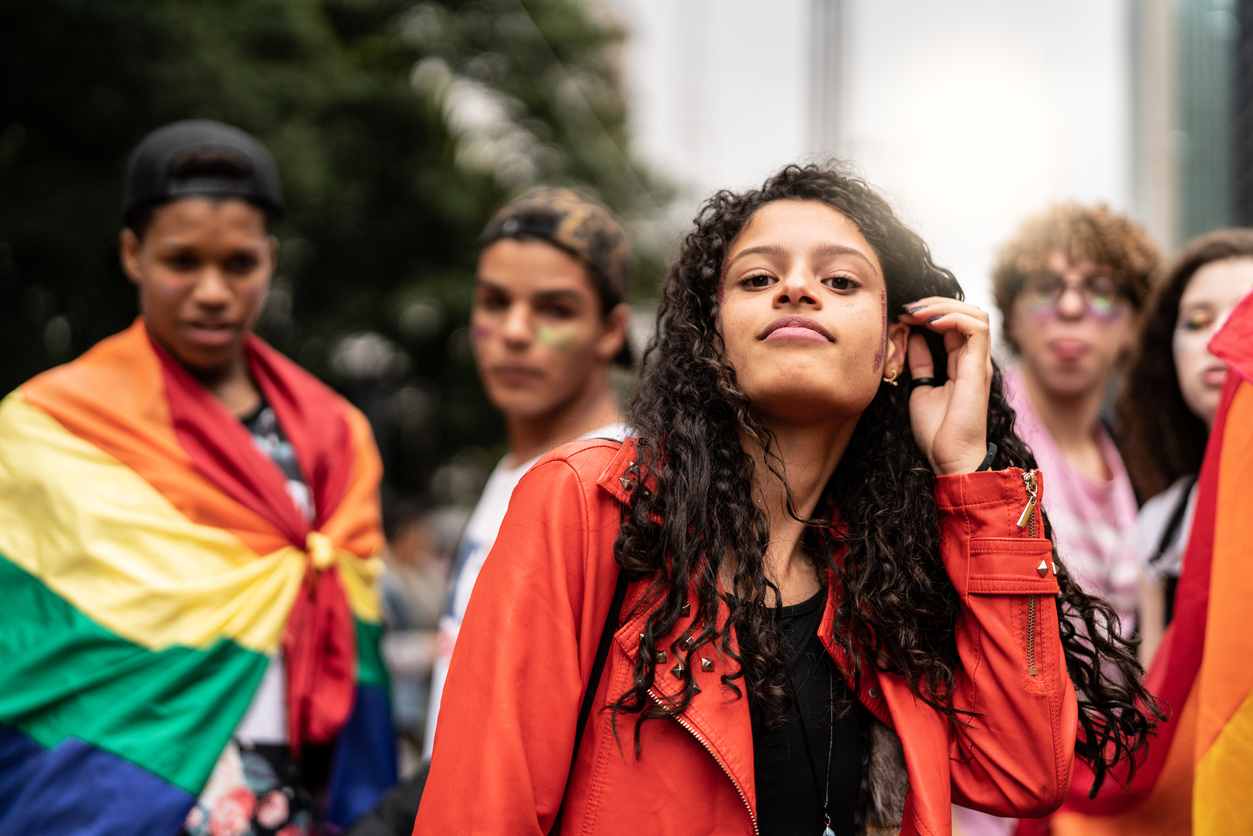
[
  {"x": 692, "y": 730},
  {"x": 1027, "y": 520},
  {"x": 1031, "y": 606}
]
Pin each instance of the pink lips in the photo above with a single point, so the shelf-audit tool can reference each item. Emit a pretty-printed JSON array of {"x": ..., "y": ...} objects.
[
  {"x": 796, "y": 327},
  {"x": 209, "y": 334},
  {"x": 515, "y": 376},
  {"x": 1214, "y": 377},
  {"x": 1069, "y": 351}
]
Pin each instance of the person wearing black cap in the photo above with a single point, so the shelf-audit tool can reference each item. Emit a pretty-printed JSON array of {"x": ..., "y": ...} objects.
[
  {"x": 200, "y": 199},
  {"x": 201, "y": 515}
]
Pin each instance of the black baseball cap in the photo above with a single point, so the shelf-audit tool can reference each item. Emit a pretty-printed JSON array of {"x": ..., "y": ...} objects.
[{"x": 244, "y": 167}]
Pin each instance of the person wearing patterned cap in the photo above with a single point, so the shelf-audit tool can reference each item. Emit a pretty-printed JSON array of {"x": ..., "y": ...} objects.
[{"x": 548, "y": 321}]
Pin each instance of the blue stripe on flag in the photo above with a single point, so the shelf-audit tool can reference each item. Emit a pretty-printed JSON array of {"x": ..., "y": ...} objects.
[
  {"x": 76, "y": 788},
  {"x": 365, "y": 758}
]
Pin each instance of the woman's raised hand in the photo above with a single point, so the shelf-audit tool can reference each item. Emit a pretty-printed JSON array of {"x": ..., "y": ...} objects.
[{"x": 950, "y": 422}]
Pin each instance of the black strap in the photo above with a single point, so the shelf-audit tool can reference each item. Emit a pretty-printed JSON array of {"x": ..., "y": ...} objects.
[
  {"x": 1172, "y": 525},
  {"x": 593, "y": 682},
  {"x": 986, "y": 464}
]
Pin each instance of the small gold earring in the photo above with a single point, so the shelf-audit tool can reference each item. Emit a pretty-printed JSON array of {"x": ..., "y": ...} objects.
[{"x": 891, "y": 380}]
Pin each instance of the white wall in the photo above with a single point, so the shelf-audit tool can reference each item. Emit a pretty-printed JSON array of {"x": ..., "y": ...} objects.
[
  {"x": 973, "y": 114},
  {"x": 969, "y": 114},
  {"x": 717, "y": 88}
]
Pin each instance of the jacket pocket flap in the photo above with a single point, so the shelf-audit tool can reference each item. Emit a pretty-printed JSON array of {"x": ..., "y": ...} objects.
[{"x": 1011, "y": 566}]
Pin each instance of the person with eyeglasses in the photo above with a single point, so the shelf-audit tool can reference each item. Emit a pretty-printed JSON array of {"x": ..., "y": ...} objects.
[
  {"x": 1070, "y": 286},
  {"x": 1182, "y": 429}
]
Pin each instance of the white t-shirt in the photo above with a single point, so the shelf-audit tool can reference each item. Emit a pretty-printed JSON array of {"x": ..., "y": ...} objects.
[
  {"x": 1151, "y": 527},
  {"x": 472, "y": 551}
]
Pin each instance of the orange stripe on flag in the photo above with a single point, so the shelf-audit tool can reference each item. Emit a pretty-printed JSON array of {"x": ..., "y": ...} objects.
[
  {"x": 1223, "y": 791},
  {"x": 1166, "y": 809},
  {"x": 1227, "y": 664},
  {"x": 357, "y": 526},
  {"x": 97, "y": 398}
]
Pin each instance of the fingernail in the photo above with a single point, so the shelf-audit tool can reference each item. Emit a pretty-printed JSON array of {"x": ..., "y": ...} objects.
[
  {"x": 934, "y": 318},
  {"x": 914, "y": 309}
]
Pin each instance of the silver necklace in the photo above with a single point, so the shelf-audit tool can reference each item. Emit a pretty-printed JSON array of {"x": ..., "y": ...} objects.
[{"x": 809, "y": 758}]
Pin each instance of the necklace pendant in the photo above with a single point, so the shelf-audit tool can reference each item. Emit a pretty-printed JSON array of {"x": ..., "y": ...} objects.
[{"x": 828, "y": 832}]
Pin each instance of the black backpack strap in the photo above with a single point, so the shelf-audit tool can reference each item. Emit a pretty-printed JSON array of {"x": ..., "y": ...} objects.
[
  {"x": 593, "y": 682},
  {"x": 1173, "y": 523}
]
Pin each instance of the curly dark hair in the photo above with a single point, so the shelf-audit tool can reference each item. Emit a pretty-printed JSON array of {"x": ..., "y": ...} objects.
[
  {"x": 1093, "y": 233},
  {"x": 1160, "y": 438},
  {"x": 692, "y": 512}
]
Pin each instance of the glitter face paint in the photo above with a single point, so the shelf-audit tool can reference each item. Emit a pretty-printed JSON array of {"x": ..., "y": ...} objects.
[
  {"x": 558, "y": 338},
  {"x": 883, "y": 338}
]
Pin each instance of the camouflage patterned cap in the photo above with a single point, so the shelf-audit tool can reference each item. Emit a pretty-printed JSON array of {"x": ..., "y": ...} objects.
[{"x": 577, "y": 224}]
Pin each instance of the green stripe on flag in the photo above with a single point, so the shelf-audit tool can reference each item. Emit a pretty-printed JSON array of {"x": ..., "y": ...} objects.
[
  {"x": 63, "y": 675},
  {"x": 370, "y": 667}
]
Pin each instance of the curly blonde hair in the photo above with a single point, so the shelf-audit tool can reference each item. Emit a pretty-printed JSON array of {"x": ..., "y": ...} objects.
[{"x": 1080, "y": 233}]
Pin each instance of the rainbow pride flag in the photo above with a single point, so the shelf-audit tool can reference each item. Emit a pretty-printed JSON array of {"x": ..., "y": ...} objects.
[
  {"x": 1198, "y": 776},
  {"x": 151, "y": 562},
  {"x": 1222, "y": 792}
]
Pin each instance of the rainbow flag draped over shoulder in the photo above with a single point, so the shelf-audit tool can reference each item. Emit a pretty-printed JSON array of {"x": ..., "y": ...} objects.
[
  {"x": 151, "y": 562},
  {"x": 1202, "y": 758}
]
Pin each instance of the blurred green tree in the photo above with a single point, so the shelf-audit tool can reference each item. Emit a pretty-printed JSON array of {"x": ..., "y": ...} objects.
[{"x": 398, "y": 129}]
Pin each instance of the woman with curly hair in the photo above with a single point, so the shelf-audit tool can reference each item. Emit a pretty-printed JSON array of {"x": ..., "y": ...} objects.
[
  {"x": 1169, "y": 405},
  {"x": 813, "y": 594}
]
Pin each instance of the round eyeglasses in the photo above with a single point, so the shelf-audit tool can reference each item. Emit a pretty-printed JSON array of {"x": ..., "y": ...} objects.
[{"x": 1102, "y": 294}]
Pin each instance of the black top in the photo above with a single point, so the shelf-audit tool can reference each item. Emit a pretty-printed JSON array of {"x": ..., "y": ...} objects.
[
  {"x": 269, "y": 438},
  {"x": 790, "y": 775}
]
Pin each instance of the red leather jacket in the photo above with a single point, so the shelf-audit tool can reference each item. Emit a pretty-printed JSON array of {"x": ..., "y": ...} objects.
[{"x": 526, "y": 649}]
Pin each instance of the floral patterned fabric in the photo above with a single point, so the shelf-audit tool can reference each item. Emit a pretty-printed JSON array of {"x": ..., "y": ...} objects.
[{"x": 254, "y": 791}]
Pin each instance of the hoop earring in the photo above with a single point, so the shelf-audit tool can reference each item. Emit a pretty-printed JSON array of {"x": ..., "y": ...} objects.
[{"x": 891, "y": 380}]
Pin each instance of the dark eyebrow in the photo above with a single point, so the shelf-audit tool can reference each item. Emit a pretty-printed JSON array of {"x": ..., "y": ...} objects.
[
  {"x": 839, "y": 249},
  {"x": 560, "y": 295},
  {"x": 772, "y": 250},
  {"x": 177, "y": 247},
  {"x": 825, "y": 251}
]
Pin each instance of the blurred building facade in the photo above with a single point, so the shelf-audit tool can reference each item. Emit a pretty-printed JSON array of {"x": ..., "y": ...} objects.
[{"x": 1194, "y": 115}]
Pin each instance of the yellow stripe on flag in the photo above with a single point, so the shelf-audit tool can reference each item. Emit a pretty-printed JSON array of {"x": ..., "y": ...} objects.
[
  {"x": 106, "y": 541},
  {"x": 360, "y": 579},
  {"x": 1222, "y": 798}
]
